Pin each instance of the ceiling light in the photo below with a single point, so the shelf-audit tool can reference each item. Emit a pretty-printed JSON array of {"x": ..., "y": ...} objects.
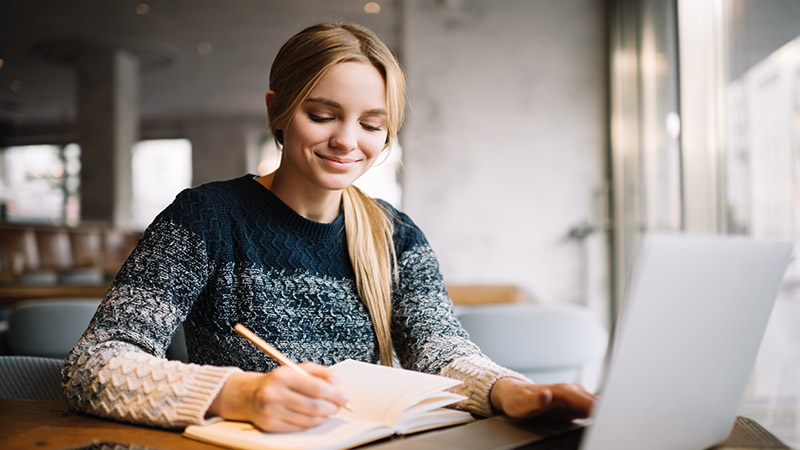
[
  {"x": 372, "y": 8},
  {"x": 204, "y": 48},
  {"x": 142, "y": 9}
]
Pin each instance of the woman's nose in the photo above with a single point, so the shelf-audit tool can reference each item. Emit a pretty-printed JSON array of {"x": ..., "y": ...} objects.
[{"x": 344, "y": 137}]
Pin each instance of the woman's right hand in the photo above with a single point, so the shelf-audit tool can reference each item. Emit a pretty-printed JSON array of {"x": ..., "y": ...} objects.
[{"x": 282, "y": 400}]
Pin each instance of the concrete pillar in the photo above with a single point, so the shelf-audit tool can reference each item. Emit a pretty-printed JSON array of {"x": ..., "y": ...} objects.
[
  {"x": 223, "y": 149},
  {"x": 108, "y": 127}
]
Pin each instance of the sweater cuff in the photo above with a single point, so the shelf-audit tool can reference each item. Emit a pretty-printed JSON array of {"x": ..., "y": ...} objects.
[
  {"x": 478, "y": 374},
  {"x": 201, "y": 389}
]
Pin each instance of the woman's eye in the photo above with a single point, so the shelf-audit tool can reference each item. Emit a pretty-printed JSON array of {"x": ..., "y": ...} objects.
[
  {"x": 369, "y": 127},
  {"x": 317, "y": 118}
]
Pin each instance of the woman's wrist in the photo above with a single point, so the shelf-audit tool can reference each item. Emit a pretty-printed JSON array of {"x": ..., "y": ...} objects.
[
  {"x": 499, "y": 392},
  {"x": 233, "y": 399}
]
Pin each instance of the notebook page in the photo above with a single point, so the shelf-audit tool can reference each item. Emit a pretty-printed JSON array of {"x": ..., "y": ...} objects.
[{"x": 381, "y": 394}]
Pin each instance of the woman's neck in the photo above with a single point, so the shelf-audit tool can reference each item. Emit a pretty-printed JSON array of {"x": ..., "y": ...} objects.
[{"x": 318, "y": 205}]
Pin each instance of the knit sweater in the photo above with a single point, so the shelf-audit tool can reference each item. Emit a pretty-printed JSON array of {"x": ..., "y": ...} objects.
[{"x": 232, "y": 252}]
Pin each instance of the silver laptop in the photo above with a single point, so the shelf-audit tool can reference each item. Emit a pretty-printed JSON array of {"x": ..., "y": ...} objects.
[{"x": 694, "y": 315}]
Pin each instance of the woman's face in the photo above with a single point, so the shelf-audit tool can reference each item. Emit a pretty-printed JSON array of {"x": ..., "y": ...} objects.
[{"x": 340, "y": 129}]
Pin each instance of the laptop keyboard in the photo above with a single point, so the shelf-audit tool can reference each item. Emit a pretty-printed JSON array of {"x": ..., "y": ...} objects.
[
  {"x": 568, "y": 440},
  {"x": 746, "y": 434}
]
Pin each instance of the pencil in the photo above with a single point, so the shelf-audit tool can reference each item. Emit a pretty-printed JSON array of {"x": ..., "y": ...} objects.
[{"x": 274, "y": 353}]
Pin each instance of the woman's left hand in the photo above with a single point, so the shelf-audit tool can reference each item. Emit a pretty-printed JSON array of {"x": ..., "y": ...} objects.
[{"x": 524, "y": 400}]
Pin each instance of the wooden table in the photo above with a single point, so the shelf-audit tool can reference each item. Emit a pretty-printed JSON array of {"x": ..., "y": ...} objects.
[{"x": 39, "y": 424}]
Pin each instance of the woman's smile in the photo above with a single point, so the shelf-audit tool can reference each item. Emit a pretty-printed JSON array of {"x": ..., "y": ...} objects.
[{"x": 337, "y": 163}]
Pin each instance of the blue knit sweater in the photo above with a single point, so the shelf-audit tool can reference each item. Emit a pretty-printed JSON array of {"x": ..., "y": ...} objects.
[{"x": 232, "y": 252}]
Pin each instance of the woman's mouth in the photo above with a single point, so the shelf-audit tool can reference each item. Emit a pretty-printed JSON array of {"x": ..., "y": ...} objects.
[{"x": 337, "y": 163}]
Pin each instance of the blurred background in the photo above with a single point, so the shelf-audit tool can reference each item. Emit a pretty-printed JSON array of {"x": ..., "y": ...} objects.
[{"x": 543, "y": 138}]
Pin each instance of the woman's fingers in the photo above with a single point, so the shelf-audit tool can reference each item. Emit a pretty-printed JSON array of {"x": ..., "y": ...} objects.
[
  {"x": 520, "y": 399},
  {"x": 286, "y": 400},
  {"x": 573, "y": 396},
  {"x": 569, "y": 401},
  {"x": 329, "y": 388},
  {"x": 319, "y": 371},
  {"x": 278, "y": 418},
  {"x": 307, "y": 403}
]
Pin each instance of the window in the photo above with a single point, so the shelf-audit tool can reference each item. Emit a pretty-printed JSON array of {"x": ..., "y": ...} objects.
[
  {"x": 760, "y": 193},
  {"x": 161, "y": 169},
  {"x": 40, "y": 184},
  {"x": 742, "y": 89}
]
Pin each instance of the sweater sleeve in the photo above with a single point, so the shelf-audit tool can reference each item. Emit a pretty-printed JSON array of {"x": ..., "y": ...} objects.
[
  {"x": 427, "y": 336},
  {"x": 117, "y": 368}
]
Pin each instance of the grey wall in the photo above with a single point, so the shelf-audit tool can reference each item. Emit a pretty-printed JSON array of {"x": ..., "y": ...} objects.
[
  {"x": 505, "y": 140},
  {"x": 225, "y": 150}
]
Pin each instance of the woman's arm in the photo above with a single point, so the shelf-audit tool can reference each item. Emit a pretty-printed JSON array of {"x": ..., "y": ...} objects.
[
  {"x": 428, "y": 337},
  {"x": 426, "y": 334},
  {"x": 117, "y": 368}
]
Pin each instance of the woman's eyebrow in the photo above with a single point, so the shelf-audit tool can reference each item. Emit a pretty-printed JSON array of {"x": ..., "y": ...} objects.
[
  {"x": 324, "y": 101},
  {"x": 376, "y": 112},
  {"x": 334, "y": 104}
]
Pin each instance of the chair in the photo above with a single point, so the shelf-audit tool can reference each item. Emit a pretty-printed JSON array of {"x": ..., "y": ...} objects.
[
  {"x": 55, "y": 250},
  {"x": 548, "y": 344},
  {"x": 32, "y": 378},
  {"x": 51, "y": 327},
  {"x": 48, "y": 327},
  {"x": 18, "y": 250},
  {"x": 177, "y": 348},
  {"x": 87, "y": 254},
  {"x": 87, "y": 247},
  {"x": 21, "y": 259},
  {"x": 117, "y": 245}
]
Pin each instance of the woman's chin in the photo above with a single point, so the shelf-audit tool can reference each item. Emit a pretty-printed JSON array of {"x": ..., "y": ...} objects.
[{"x": 337, "y": 182}]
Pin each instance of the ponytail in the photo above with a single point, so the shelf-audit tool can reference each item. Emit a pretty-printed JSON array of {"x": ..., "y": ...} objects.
[{"x": 371, "y": 248}]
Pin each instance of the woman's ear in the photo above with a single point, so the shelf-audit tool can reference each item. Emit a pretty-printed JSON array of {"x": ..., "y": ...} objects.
[{"x": 268, "y": 98}]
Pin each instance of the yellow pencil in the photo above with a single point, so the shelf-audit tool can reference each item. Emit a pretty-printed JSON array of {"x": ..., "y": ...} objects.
[{"x": 273, "y": 352}]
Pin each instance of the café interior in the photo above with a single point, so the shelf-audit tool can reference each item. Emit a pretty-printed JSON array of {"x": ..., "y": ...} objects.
[{"x": 542, "y": 141}]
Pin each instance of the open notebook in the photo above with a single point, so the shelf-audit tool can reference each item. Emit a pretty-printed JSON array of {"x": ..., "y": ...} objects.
[{"x": 385, "y": 401}]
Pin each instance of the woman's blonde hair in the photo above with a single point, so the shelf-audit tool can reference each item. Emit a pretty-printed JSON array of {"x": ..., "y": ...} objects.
[{"x": 302, "y": 61}]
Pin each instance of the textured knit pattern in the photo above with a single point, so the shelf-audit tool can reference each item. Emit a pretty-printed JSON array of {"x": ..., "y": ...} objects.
[{"x": 231, "y": 252}]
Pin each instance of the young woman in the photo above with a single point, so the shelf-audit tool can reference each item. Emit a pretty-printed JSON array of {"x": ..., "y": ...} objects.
[{"x": 302, "y": 258}]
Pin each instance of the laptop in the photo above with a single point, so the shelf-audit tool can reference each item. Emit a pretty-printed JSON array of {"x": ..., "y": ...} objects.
[
  {"x": 687, "y": 340},
  {"x": 696, "y": 311}
]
